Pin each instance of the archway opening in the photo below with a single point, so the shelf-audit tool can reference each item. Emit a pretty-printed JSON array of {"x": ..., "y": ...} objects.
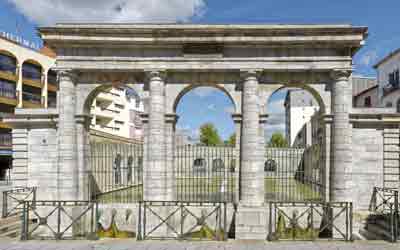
[
  {"x": 294, "y": 144},
  {"x": 205, "y": 140},
  {"x": 116, "y": 144}
]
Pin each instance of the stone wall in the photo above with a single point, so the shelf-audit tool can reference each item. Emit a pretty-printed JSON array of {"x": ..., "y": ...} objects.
[{"x": 367, "y": 165}]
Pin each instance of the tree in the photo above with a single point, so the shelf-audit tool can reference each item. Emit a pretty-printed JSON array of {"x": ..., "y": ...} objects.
[
  {"x": 209, "y": 135},
  {"x": 277, "y": 140},
  {"x": 232, "y": 140}
]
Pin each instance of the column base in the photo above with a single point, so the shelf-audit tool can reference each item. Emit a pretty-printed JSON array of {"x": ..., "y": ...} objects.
[{"x": 251, "y": 222}]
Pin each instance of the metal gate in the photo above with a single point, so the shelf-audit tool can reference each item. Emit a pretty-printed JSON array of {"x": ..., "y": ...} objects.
[
  {"x": 116, "y": 173},
  {"x": 205, "y": 173}
]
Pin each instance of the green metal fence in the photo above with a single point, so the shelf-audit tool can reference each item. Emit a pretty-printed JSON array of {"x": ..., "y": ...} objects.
[
  {"x": 293, "y": 174},
  {"x": 116, "y": 173},
  {"x": 205, "y": 173}
]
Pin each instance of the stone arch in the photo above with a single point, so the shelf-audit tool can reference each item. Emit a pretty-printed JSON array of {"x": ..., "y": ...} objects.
[
  {"x": 191, "y": 87},
  {"x": 10, "y": 54},
  {"x": 307, "y": 87},
  {"x": 91, "y": 91}
]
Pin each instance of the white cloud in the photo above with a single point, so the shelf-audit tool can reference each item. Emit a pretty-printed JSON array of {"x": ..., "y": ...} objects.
[
  {"x": 48, "y": 12},
  {"x": 212, "y": 107},
  {"x": 369, "y": 58}
]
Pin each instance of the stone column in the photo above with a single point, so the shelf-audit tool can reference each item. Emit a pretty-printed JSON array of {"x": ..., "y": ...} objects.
[
  {"x": 155, "y": 182},
  {"x": 19, "y": 86},
  {"x": 83, "y": 153},
  {"x": 67, "y": 162},
  {"x": 341, "y": 169},
  {"x": 237, "y": 119},
  {"x": 251, "y": 216},
  {"x": 252, "y": 174},
  {"x": 171, "y": 120},
  {"x": 44, "y": 90}
]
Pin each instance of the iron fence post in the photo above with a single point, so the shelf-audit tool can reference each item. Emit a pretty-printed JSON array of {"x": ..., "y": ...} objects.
[
  {"x": 225, "y": 223},
  {"x": 269, "y": 237},
  {"x": 351, "y": 222},
  {"x": 5, "y": 205},
  {"x": 139, "y": 229},
  {"x": 23, "y": 226},
  {"x": 312, "y": 222},
  {"x": 180, "y": 237},
  {"x": 58, "y": 236},
  {"x": 396, "y": 215}
]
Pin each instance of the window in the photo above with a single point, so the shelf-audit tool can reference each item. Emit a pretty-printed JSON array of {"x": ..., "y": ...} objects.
[
  {"x": 31, "y": 71},
  {"x": 389, "y": 105},
  {"x": 398, "y": 106},
  {"x": 270, "y": 165},
  {"x": 117, "y": 169},
  {"x": 119, "y": 122},
  {"x": 218, "y": 165},
  {"x": 119, "y": 106},
  {"x": 8, "y": 64},
  {"x": 7, "y": 89},
  {"x": 367, "y": 101},
  {"x": 129, "y": 170},
  {"x": 394, "y": 79},
  {"x": 199, "y": 165}
]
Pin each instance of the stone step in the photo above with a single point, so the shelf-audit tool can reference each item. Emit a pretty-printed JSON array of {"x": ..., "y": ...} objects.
[
  {"x": 9, "y": 227},
  {"x": 11, "y": 234},
  {"x": 8, "y": 220},
  {"x": 367, "y": 235}
]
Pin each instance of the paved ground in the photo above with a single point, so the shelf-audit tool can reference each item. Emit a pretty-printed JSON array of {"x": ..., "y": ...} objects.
[{"x": 172, "y": 245}]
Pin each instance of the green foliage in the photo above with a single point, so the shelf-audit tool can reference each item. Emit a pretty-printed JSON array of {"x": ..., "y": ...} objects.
[
  {"x": 209, "y": 135},
  {"x": 232, "y": 140},
  {"x": 278, "y": 141}
]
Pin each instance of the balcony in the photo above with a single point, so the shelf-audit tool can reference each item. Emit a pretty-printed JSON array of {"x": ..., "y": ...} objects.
[
  {"x": 104, "y": 112},
  {"x": 8, "y": 96},
  {"x": 31, "y": 100},
  {"x": 6, "y": 140}
]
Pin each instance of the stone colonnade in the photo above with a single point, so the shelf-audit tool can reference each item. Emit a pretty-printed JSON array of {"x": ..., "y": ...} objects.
[{"x": 159, "y": 143}]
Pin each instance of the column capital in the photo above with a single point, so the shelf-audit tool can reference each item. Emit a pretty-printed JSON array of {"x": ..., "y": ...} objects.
[
  {"x": 237, "y": 118},
  {"x": 341, "y": 74},
  {"x": 171, "y": 118},
  {"x": 263, "y": 118},
  {"x": 250, "y": 73},
  {"x": 161, "y": 74},
  {"x": 69, "y": 73}
]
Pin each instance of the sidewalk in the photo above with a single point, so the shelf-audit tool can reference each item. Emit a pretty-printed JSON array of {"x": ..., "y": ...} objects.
[{"x": 173, "y": 245}]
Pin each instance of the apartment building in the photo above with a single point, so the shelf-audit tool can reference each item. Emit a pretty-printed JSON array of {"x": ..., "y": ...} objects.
[
  {"x": 388, "y": 74},
  {"x": 26, "y": 81},
  {"x": 117, "y": 112}
]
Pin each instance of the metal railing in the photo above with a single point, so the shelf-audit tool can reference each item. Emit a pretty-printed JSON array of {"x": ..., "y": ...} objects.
[
  {"x": 293, "y": 174},
  {"x": 14, "y": 199},
  {"x": 182, "y": 220},
  {"x": 9, "y": 93},
  {"x": 310, "y": 220},
  {"x": 385, "y": 202},
  {"x": 205, "y": 173},
  {"x": 59, "y": 220},
  {"x": 116, "y": 173},
  {"x": 32, "y": 97}
]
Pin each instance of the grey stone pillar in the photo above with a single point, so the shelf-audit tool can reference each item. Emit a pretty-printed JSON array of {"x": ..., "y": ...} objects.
[
  {"x": 67, "y": 151},
  {"x": 237, "y": 119},
  {"x": 252, "y": 174},
  {"x": 83, "y": 155},
  {"x": 171, "y": 120},
  {"x": 341, "y": 169},
  {"x": 155, "y": 182}
]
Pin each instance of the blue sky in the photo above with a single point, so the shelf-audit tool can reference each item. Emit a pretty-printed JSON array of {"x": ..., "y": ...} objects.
[{"x": 382, "y": 18}]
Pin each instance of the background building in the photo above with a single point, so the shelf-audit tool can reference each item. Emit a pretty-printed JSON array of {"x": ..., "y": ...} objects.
[
  {"x": 365, "y": 92},
  {"x": 389, "y": 80},
  {"x": 300, "y": 106},
  {"x": 26, "y": 81},
  {"x": 117, "y": 112}
]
